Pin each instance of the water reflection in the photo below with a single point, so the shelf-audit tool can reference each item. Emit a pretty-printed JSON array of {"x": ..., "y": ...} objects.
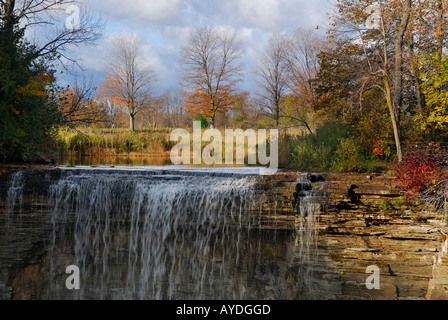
[
  {"x": 131, "y": 161},
  {"x": 77, "y": 160}
]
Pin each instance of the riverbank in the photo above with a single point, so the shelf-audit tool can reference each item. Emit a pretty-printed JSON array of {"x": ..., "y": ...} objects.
[
  {"x": 294, "y": 152},
  {"x": 118, "y": 142}
]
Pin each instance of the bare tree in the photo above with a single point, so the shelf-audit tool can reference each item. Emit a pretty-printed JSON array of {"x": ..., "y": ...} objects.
[
  {"x": 152, "y": 114},
  {"x": 303, "y": 60},
  {"x": 171, "y": 103},
  {"x": 129, "y": 78},
  {"x": 112, "y": 106},
  {"x": 57, "y": 40},
  {"x": 273, "y": 77},
  {"x": 111, "y": 111},
  {"x": 211, "y": 69}
]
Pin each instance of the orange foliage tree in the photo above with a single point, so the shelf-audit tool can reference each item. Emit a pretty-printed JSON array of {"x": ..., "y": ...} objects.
[
  {"x": 208, "y": 104},
  {"x": 77, "y": 106},
  {"x": 210, "y": 70},
  {"x": 36, "y": 87}
]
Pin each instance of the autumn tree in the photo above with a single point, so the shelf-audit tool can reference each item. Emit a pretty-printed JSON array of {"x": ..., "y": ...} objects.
[
  {"x": 245, "y": 113},
  {"x": 428, "y": 52},
  {"x": 304, "y": 48},
  {"x": 210, "y": 65},
  {"x": 434, "y": 117},
  {"x": 336, "y": 84},
  {"x": 129, "y": 80},
  {"x": 380, "y": 29},
  {"x": 78, "y": 105}
]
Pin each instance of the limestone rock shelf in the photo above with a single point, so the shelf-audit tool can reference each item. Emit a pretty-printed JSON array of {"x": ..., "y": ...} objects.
[{"x": 365, "y": 221}]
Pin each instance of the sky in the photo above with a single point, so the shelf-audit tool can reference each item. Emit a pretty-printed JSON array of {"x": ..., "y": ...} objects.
[{"x": 164, "y": 26}]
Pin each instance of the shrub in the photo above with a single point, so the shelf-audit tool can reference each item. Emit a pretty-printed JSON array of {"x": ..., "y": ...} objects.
[
  {"x": 313, "y": 152},
  {"x": 381, "y": 150},
  {"x": 130, "y": 145},
  {"x": 167, "y": 144},
  {"x": 204, "y": 123},
  {"x": 348, "y": 156},
  {"x": 420, "y": 169}
]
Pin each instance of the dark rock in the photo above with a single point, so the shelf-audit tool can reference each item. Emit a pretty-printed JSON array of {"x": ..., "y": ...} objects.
[{"x": 43, "y": 158}]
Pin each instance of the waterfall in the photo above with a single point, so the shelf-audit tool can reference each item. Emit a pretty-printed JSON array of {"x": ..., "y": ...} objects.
[
  {"x": 14, "y": 197},
  {"x": 172, "y": 234},
  {"x": 309, "y": 207},
  {"x": 15, "y": 192},
  {"x": 165, "y": 228}
]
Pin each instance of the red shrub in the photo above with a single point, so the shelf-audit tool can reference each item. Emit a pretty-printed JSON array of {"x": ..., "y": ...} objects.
[{"x": 421, "y": 168}]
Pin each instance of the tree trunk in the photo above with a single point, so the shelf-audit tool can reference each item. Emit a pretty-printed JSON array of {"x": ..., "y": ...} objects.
[
  {"x": 397, "y": 93},
  {"x": 397, "y": 90},
  {"x": 421, "y": 100},
  {"x": 9, "y": 18},
  {"x": 277, "y": 114},
  {"x": 132, "y": 123},
  {"x": 439, "y": 31},
  {"x": 395, "y": 124},
  {"x": 213, "y": 117}
]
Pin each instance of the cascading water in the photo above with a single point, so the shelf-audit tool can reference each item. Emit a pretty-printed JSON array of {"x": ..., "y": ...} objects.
[
  {"x": 142, "y": 234},
  {"x": 15, "y": 192},
  {"x": 149, "y": 219},
  {"x": 309, "y": 205}
]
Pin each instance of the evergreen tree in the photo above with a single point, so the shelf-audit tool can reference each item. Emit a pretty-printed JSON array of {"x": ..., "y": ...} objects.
[{"x": 28, "y": 109}]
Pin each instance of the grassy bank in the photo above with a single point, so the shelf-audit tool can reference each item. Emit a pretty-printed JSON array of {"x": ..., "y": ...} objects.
[
  {"x": 102, "y": 142},
  {"x": 331, "y": 148}
]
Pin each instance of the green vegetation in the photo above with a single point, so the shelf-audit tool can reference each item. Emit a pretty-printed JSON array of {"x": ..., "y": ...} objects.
[
  {"x": 332, "y": 148},
  {"x": 28, "y": 112},
  {"x": 121, "y": 142},
  {"x": 30, "y": 104}
]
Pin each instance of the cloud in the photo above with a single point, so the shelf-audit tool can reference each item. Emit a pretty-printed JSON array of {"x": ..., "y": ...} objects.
[
  {"x": 164, "y": 25},
  {"x": 263, "y": 14},
  {"x": 267, "y": 15},
  {"x": 155, "y": 11}
]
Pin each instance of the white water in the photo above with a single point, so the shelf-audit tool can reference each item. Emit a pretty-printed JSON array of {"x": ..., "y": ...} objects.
[
  {"x": 307, "y": 238},
  {"x": 15, "y": 192},
  {"x": 162, "y": 226},
  {"x": 177, "y": 234}
]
